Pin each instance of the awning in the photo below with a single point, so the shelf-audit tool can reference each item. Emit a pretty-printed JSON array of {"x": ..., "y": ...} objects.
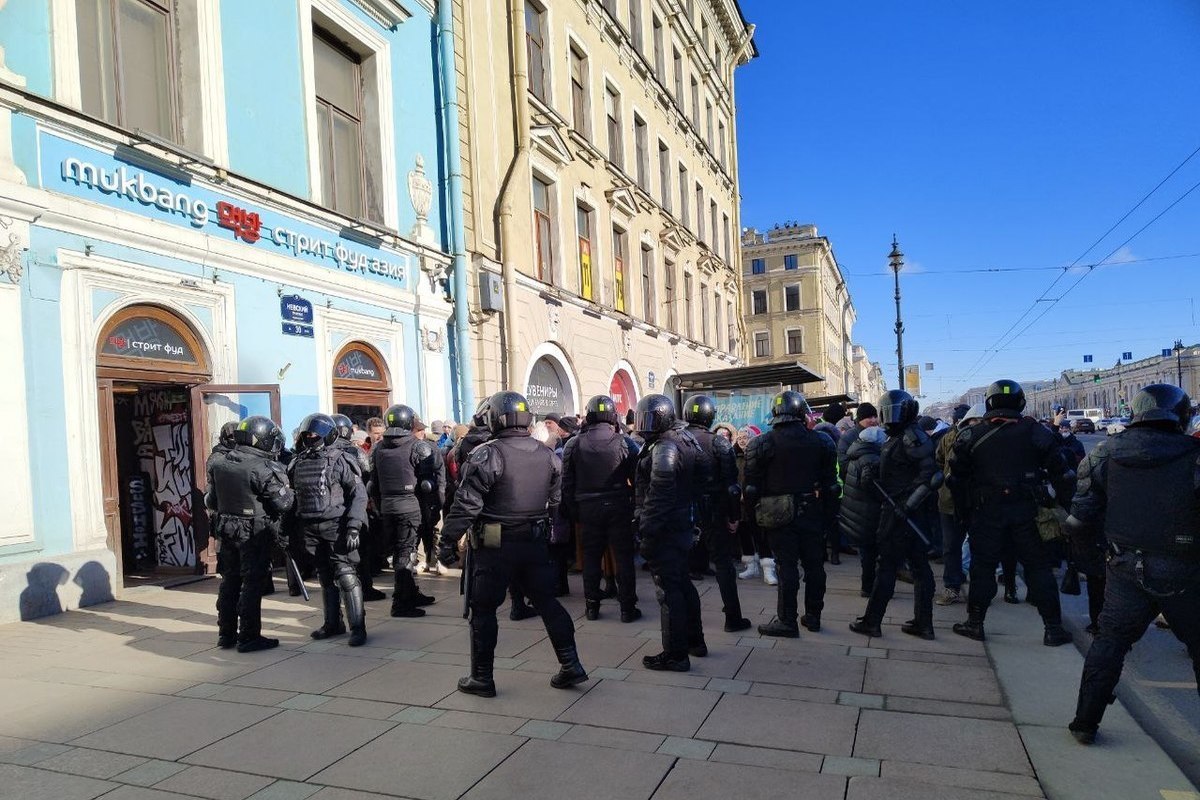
[
  {"x": 847, "y": 401},
  {"x": 754, "y": 377}
]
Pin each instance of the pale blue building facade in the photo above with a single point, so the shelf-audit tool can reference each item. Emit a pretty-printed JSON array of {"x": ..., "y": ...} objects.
[{"x": 208, "y": 209}]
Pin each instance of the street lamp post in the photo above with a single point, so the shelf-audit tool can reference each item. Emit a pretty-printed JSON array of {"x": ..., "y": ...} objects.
[
  {"x": 1179, "y": 363},
  {"x": 896, "y": 261}
]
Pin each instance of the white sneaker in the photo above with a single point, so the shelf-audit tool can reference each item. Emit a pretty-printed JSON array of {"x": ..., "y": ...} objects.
[
  {"x": 768, "y": 569},
  {"x": 752, "y": 570}
]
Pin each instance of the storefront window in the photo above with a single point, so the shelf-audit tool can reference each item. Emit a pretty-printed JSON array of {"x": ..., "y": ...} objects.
[{"x": 548, "y": 389}]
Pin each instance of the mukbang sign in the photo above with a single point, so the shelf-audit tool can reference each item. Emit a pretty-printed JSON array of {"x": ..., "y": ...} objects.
[{"x": 90, "y": 174}]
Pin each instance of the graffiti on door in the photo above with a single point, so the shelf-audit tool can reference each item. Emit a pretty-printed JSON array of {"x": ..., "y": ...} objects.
[{"x": 162, "y": 437}]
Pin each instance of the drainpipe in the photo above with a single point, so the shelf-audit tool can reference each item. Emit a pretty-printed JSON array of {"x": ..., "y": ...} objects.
[
  {"x": 451, "y": 119},
  {"x": 517, "y": 176}
]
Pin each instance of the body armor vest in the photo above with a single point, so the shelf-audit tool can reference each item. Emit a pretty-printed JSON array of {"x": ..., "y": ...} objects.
[
  {"x": 1153, "y": 507},
  {"x": 599, "y": 455},
  {"x": 233, "y": 475},
  {"x": 694, "y": 468},
  {"x": 318, "y": 495},
  {"x": 1008, "y": 459},
  {"x": 794, "y": 460},
  {"x": 394, "y": 471},
  {"x": 898, "y": 467},
  {"x": 522, "y": 491}
]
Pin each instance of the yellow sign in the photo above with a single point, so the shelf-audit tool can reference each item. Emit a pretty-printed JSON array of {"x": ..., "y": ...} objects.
[{"x": 912, "y": 379}]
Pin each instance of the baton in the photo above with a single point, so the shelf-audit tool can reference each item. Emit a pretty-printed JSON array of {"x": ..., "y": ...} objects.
[
  {"x": 920, "y": 534},
  {"x": 291, "y": 563},
  {"x": 465, "y": 581}
]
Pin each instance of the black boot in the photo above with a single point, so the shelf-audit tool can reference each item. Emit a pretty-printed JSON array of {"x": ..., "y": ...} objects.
[
  {"x": 1056, "y": 636},
  {"x": 572, "y": 672},
  {"x": 592, "y": 609},
  {"x": 483, "y": 650},
  {"x": 333, "y": 614},
  {"x": 256, "y": 644},
  {"x": 404, "y": 598},
  {"x": 866, "y": 627},
  {"x": 812, "y": 622},
  {"x": 356, "y": 617},
  {"x": 631, "y": 614},
  {"x": 226, "y": 641},
  {"x": 835, "y": 557},
  {"x": 922, "y": 630},
  {"x": 780, "y": 628},
  {"x": 698, "y": 648},
  {"x": 1010, "y": 588},
  {"x": 735, "y": 624},
  {"x": 1084, "y": 732},
  {"x": 973, "y": 627},
  {"x": 667, "y": 662}
]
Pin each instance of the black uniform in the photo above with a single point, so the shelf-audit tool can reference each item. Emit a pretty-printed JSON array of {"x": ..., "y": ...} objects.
[
  {"x": 1139, "y": 489},
  {"x": 597, "y": 488},
  {"x": 720, "y": 507},
  {"x": 510, "y": 489},
  {"x": 858, "y": 514},
  {"x": 790, "y": 461},
  {"x": 999, "y": 467},
  {"x": 369, "y": 540},
  {"x": 330, "y": 512},
  {"x": 249, "y": 492},
  {"x": 906, "y": 470},
  {"x": 401, "y": 464},
  {"x": 672, "y": 472}
]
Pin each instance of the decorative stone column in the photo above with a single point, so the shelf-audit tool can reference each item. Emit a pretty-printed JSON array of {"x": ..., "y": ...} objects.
[{"x": 8, "y": 167}]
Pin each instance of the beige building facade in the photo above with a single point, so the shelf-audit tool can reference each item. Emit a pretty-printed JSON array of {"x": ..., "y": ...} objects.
[
  {"x": 1112, "y": 389},
  {"x": 599, "y": 161},
  {"x": 866, "y": 376},
  {"x": 797, "y": 307}
]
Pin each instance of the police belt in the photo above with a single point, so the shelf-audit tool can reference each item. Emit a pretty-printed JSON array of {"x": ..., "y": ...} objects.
[
  {"x": 535, "y": 531},
  {"x": 1004, "y": 492},
  {"x": 1188, "y": 557},
  {"x": 609, "y": 494}
]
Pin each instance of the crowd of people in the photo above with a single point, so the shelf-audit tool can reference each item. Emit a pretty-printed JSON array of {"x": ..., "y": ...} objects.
[{"x": 523, "y": 501}]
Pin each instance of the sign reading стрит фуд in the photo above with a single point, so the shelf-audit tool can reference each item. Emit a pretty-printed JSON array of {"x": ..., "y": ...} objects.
[{"x": 85, "y": 172}]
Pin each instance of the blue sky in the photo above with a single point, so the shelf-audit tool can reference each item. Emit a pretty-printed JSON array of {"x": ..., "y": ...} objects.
[{"x": 985, "y": 135}]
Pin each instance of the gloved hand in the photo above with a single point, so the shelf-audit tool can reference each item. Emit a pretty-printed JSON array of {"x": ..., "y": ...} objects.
[
  {"x": 282, "y": 541},
  {"x": 352, "y": 539},
  {"x": 648, "y": 549},
  {"x": 900, "y": 512},
  {"x": 447, "y": 554}
]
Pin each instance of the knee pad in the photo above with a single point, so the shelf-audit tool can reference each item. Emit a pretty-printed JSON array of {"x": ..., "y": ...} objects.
[{"x": 347, "y": 580}]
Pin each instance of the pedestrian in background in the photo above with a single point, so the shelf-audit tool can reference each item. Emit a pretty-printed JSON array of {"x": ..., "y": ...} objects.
[{"x": 858, "y": 517}]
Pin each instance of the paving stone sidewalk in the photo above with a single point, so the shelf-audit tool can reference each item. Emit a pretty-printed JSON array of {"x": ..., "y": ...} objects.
[{"x": 132, "y": 701}]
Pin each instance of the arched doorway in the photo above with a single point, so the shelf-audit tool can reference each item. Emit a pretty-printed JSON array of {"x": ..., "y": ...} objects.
[
  {"x": 622, "y": 391},
  {"x": 362, "y": 386},
  {"x": 147, "y": 360},
  {"x": 548, "y": 388}
]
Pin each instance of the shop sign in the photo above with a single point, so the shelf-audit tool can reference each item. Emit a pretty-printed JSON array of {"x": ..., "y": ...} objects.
[
  {"x": 294, "y": 308},
  {"x": 95, "y": 175},
  {"x": 357, "y": 365},
  {"x": 547, "y": 389},
  {"x": 146, "y": 337}
]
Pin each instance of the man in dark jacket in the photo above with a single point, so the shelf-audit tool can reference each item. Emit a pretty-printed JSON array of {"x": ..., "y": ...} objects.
[
  {"x": 908, "y": 477},
  {"x": 865, "y": 416},
  {"x": 1139, "y": 492},
  {"x": 859, "y": 511},
  {"x": 1071, "y": 445},
  {"x": 598, "y": 471},
  {"x": 954, "y": 532}
]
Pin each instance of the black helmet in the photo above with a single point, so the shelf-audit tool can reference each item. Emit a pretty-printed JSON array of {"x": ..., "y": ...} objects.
[
  {"x": 700, "y": 410},
  {"x": 317, "y": 431},
  {"x": 602, "y": 408},
  {"x": 480, "y": 418},
  {"x": 655, "y": 415},
  {"x": 399, "y": 416},
  {"x": 508, "y": 410},
  {"x": 226, "y": 437},
  {"x": 959, "y": 412},
  {"x": 789, "y": 406},
  {"x": 1005, "y": 394},
  {"x": 1162, "y": 403},
  {"x": 258, "y": 432},
  {"x": 345, "y": 425},
  {"x": 897, "y": 409}
]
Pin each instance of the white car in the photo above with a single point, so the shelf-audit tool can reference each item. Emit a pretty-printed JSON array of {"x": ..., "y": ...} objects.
[{"x": 1116, "y": 426}]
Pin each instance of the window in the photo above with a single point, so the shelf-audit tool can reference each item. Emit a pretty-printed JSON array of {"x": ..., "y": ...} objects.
[
  {"x": 339, "y": 125},
  {"x": 725, "y": 232},
  {"x": 612, "y": 111},
  {"x": 535, "y": 41},
  {"x": 127, "y": 54},
  {"x": 758, "y": 266},
  {"x": 791, "y": 262},
  {"x": 732, "y": 326},
  {"x": 721, "y": 145},
  {"x": 684, "y": 214},
  {"x": 669, "y": 296},
  {"x": 620, "y": 247},
  {"x": 708, "y": 123},
  {"x": 580, "y": 102},
  {"x": 795, "y": 341},
  {"x": 717, "y": 311},
  {"x": 712, "y": 215},
  {"x": 704, "y": 319},
  {"x": 677, "y": 61},
  {"x": 583, "y": 229},
  {"x": 699, "y": 212},
  {"x": 762, "y": 344},
  {"x": 611, "y": 6},
  {"x": 641, "y": 152},
  {"x": 695, "y": 105},
  {"x": 688, "y": 317},
  {"x": 791, "y": 297},
  {"x": 660, "y": 58},
  {"x": 759, "y": 300},
  {"x": 664, "y": 175},
  {"x": 704, "y": 32},
  {"x": 543, "y": 225},
  {"x": 635, "y": 24},
  {"x": 647, "y": 284}
]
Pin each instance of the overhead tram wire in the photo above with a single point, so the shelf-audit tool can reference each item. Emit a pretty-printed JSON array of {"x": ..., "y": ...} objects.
[
  {"x": 998, "y": 346},
  {"x": 1001, "y": 270}
]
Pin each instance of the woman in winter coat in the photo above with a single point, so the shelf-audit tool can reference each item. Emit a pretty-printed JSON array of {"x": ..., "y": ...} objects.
[{"x": 859, "y": 516}]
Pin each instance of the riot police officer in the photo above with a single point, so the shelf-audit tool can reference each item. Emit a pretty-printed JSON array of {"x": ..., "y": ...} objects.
[
  {"x": 672, "y": 472},
  {"x": 908, "y": 476},
  {"x": 403, "y": 469},
  {"x": 368, "y": 539},
  {"x": 598, "y": 467},
  {"x": 999, "y": 469},
  {"x": 330, "y": 512},
  {"x": 1141, "y": 490},
  {"x": 225, "y": 440},
  {"x": 720, "y": 505},
  {"x": 510, "y": 490},
  {"x": 791, "y": 487},
  {"x": 345, "y": 429},
  {"x": 248, "y": 489}
]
